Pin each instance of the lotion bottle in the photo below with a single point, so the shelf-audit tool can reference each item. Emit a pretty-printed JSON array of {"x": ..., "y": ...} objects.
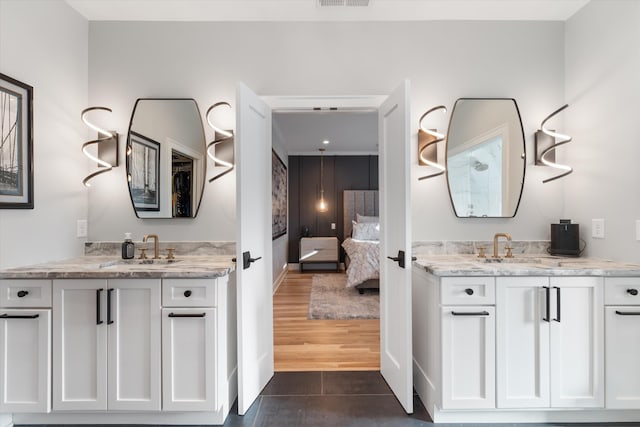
[{"x": 128, "y": 249}]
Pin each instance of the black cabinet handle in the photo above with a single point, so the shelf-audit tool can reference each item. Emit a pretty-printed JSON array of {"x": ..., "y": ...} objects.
[
  {"x": 468, "y": 291},
  {"x": 470, "y": 313},
  {"x": 628, "y": 313},
  {"x": 16, "y": 316},
  {"x": 187, "y": 293},
  {"x": 558, "y": 305},
  {"x": 98, "y": 307},
  {"x": 187, "y": 315},
  {"x": 22, "y": 294},
  {"x": 631, "y": 291},
  {"x": 109, "y": 320},
  {"x": 547, "y": 308}
]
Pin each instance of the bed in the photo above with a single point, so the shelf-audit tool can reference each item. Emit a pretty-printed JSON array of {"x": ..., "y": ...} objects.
[{"x": 361, "y": 244}]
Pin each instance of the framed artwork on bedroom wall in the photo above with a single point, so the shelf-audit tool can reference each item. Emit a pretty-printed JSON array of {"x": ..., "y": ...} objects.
[{"x": 278, "y": 197}]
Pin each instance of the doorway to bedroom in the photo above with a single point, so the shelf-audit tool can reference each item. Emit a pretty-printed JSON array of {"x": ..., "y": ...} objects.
[{"x": 322, "y": 322}]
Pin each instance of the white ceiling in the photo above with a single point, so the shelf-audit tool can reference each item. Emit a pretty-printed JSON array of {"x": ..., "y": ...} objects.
[{"x": 309, "y": 10}]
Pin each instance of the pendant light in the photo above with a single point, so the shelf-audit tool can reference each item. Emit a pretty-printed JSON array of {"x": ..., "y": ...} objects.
[{"x": 322, "y": 205}]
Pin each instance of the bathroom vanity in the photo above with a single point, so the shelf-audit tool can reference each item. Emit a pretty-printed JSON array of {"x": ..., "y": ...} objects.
[
  {"x": 99, "y": 340},
  {"x": 534, "y": 339}
]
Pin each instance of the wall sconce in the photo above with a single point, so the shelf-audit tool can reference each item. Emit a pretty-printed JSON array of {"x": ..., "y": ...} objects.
[
  {"x": 546, "y": 144},
  {"x": 222, "y": 144},
  {"x": 427, "y": 145},
  {"x": 107, "y": 143},
  {"x": 322, "y": 205}
]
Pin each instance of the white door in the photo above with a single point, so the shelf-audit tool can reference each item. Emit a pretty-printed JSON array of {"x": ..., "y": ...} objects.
[
  {"x": 25, "y": 361},
  {"x": 577, "y": 342},
  {"x": 253, "y": 267},
  {"x": 395, "y": 242},
  {"x": 189, "y": 367},
  {"x": 522, "y": 337},
  {"x": 133, "y": 324},
  {"x": 79, "y": 345}
]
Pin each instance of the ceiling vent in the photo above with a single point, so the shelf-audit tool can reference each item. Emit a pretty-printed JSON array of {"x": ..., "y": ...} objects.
[{"x": 349, "y": 3}]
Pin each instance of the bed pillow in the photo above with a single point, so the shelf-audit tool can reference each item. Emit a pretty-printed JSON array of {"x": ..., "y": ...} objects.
[
  {"x": 362, "y": 218},
  {"x": 366, "y": 231}
]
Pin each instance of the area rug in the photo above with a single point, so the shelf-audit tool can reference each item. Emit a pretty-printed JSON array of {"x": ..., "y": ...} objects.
[{"x": 331, "y": 299}]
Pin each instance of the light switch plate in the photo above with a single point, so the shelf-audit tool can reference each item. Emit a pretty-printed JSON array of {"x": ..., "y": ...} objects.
[
  {"x": 333, "y": 225},
  {"x": 597, "y": 228},
  {"x": 81, "y": 228}
]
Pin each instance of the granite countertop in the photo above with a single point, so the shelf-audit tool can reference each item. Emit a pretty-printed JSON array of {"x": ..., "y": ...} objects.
[
  {"x": 524, "y": 265},
  {"x": 111, "y": 267}
]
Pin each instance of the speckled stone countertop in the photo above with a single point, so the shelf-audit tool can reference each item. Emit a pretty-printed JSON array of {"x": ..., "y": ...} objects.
[
  {"x": 524, "y": 265},
  {"x": 110, "y": 267}
]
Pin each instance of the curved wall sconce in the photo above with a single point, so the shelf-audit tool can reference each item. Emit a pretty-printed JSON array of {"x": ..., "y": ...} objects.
[
  {"x": 427, "y": 145},
  {"x": 546, "y": 145},
  {"x": 222, "y": 144},
  {"x": 107, "y": 143}
]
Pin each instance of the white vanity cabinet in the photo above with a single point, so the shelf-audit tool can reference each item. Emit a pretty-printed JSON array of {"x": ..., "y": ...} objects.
[
  {"x": 106, "y": 351},
  {"x": 550, "y": 342},
  {"x": 25, "y": 346},
  {"x": 622, "y": 319},
  {"x": 191, "y": 366}
]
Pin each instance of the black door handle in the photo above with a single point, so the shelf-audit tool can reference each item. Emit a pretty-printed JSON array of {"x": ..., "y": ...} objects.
[
  {"x": 22, "y": 294},
  {"x": 558, "y": 305},
  {"x": 631, "y": 291},
  {"x": 623, "y": 313},
  {"x": 98, "y": 307},
  {"x": 16, "y": 316},
  {"x": 547, "y": 308},
  {"x": 470, "y": 313},
  {"x": 109, "y": 320},
  {"x": 400, "y": 259},
  {"x": 247, "y": 260},
  {"x": 187, "y": 315}
]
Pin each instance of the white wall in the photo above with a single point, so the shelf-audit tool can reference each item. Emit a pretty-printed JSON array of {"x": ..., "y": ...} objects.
[
  {"x": 44, "y": 44},
  {"x": 603, "y": 92},
  {"x": 443, "y": 60}
]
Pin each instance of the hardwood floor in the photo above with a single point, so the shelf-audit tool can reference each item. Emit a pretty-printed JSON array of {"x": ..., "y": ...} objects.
[{"x": 319, "y": 345}]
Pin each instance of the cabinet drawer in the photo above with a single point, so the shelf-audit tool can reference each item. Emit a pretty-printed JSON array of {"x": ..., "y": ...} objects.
[
  {"x": 189, "y": 292},
  {"x": 622, "y": 290},
  {"x": 25, "y": 293},
  {"x": 467, "y": 290}
]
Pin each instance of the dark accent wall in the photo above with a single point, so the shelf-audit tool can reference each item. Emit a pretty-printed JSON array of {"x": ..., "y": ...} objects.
[{"x": 340, "y": 173}]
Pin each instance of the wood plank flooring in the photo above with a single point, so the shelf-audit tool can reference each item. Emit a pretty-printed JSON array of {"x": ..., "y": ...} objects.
[{"x": 319, "y": 345}]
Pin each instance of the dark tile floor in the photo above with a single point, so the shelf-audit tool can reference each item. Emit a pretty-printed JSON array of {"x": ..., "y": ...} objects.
[{"x": 339, "y": 399}]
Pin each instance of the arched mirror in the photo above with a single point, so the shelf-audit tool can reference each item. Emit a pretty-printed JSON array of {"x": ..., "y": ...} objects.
[
  {"x": 166, "y": 158},
  {"x": 485, "y": 157}
]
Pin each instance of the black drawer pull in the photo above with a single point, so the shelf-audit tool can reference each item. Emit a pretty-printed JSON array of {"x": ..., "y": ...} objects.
[
  {"x": 187, "y": 315},
  {"x": 470, "y": 313},
  {"x": 547, "y": 290},
  {"x": 628, "y": 313},
  {"x": 468, "y": 291},
  {"x": 22, "y": 294},
  {"x": 109, "y": 319},
  {"x": 631, "y": 291},
  {"x": 15, "y": 316},
  {"x": 187, "y": 293},
  {"x": 98, "y": 307},
  {"x": 558, "y": 305}
]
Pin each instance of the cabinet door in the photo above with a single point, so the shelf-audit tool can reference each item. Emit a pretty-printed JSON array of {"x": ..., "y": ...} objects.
[
  {"x": 468, "y": 357},
  {"x": 133, "y": 324},
  {"x": 622, "y": 355},
  {"x": 79, "y": 345},
  {"x": 522, "y": 338},
  {"x": 577, "y": 342},
  {"x": 25, "y": 360},
  {"x": 189, "y": 364}
]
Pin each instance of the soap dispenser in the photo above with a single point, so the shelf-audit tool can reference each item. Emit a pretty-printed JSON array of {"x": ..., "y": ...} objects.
[{"x": 128, "y": 248}]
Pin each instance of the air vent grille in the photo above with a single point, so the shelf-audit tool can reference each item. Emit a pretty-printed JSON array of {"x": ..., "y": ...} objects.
[{"x": 348, "y": 3}]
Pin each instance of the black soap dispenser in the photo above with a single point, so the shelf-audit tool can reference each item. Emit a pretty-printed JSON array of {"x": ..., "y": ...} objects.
[{"x": 128, "y": 248}]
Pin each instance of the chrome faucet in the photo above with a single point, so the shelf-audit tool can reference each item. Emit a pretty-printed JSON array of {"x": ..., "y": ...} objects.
[
  {"x": 155, "y": 244},
  {"x": 495, "y": 242}
]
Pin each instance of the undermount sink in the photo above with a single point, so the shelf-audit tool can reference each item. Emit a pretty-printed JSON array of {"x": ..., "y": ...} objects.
[
  {"x": 542, "y": 261},
  {"x": 137, "y": 262}
]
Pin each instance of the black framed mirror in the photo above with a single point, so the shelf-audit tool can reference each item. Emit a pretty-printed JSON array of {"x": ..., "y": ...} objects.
[
  {"x": 485, "y": 157},
  {"x": 166, "y": 158}
]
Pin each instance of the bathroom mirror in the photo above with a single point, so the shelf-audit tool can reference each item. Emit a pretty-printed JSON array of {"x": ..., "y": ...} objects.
[
  {"x": 166, "y": 158},
  {"x": 485, "y": 157}
]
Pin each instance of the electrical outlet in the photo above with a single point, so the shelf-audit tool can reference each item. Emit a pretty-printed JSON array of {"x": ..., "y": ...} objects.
[
  {"x": 333, "y": 225},
  {"x": 597, "y": 228},
  {"x": 81, "y": 228}
]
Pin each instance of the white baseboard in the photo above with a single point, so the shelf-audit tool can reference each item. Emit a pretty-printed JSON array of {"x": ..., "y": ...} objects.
[
  {"x": 6, "y": 420},
  {"x": 280, "y": 279}
]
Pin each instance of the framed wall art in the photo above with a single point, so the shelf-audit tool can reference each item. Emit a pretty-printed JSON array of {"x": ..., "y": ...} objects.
[
  {"x": 16, "y": 144},
  {"x": 278, "y": 197}
]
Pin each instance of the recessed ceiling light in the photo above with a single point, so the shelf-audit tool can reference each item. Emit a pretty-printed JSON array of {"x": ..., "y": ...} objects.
[{"x": 326, "y": 142}]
